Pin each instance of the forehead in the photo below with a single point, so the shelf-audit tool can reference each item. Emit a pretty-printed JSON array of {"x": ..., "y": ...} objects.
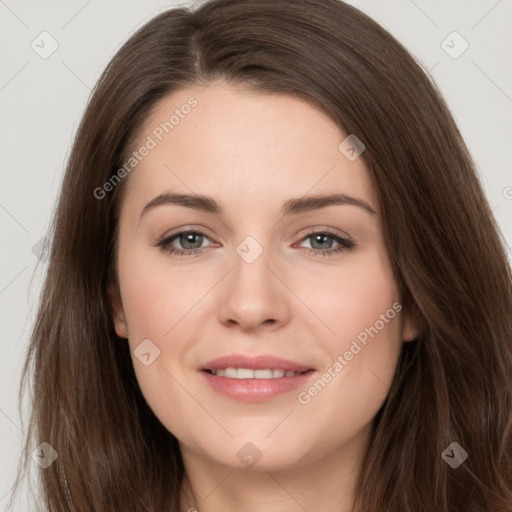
[{"x": 254, "y": 148}]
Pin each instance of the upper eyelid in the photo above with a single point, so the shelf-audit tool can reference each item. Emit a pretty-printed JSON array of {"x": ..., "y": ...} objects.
[{"x": 181, "y": 231}]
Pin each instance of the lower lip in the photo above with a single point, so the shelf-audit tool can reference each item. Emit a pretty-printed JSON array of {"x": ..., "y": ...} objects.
[{"x": 255, "y": 390}]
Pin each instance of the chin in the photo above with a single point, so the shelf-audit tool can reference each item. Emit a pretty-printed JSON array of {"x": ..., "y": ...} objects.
[{"x": 260, "y": 455}]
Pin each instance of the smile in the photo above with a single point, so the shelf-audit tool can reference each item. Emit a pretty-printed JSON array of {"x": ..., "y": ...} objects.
[
  {"x": 250, "y": 378},
  {"x": 249, "y": 373}
]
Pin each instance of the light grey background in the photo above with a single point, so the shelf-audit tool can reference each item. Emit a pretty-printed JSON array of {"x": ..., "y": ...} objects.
[{"x": 42, "y": 100}]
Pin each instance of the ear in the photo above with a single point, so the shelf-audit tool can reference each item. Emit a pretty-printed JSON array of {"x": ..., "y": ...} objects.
[
  {"x": 410, "y": 326},
  {"x": 118, "y": 315}
]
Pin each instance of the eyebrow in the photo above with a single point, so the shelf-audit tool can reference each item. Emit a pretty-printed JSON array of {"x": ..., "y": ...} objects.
[{"x": 292, "y": 206}]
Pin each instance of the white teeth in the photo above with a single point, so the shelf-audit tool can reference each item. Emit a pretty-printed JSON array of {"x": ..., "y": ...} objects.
[
  {"x": 262, "y": 374},
  {"x": 244, "y": 373},
  {"x": 248, "y": 373},
  {"x": 231, "y": 373}
]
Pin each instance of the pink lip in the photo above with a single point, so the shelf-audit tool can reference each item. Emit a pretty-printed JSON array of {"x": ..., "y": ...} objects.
[{"x": 254, "y": 390}]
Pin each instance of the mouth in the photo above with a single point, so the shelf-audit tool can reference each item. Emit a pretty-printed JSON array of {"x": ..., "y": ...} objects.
[
  {"x": 254, "y": 378},
  {"x": 250, "y": 373}
]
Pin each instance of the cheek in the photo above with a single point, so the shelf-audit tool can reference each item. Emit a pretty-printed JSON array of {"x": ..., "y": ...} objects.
[
  {"x": 362, "y": 309},
  {"x": 155, "y": 297},
  {"x": 352, "y": 298},
  {"x": 156, "y": 302}
]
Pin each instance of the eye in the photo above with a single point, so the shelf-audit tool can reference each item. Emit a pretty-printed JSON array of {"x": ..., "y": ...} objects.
[
  {"x": 191, "y": 242},
  {"x": 322, "y": 243}
]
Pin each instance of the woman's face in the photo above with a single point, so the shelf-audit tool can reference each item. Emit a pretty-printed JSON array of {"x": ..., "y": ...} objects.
[{"x": 270, "y": 278}]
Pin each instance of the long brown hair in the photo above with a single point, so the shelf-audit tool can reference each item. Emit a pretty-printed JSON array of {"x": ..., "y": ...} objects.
[{"x": 452, "y": 384}]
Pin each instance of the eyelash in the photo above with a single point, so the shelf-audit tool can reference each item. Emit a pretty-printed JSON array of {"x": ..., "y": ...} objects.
[{"x": 166, "y": 246}]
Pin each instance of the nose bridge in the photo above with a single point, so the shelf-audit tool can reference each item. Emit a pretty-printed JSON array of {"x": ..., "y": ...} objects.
[{"x": 252, "y": 294}]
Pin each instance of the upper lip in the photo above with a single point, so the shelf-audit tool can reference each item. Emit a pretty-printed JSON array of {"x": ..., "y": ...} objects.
[{"x": 261, "y": 362}]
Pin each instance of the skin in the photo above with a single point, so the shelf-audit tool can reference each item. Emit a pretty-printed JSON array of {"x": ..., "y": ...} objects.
[{"x": 251, "y": 151}]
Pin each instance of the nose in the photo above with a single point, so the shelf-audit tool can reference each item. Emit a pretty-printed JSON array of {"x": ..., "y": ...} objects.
[{"x": 252, "y": 295}]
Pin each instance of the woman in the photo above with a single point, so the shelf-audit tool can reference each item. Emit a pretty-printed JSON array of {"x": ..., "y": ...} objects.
[{"x": 275, "y": 282}]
